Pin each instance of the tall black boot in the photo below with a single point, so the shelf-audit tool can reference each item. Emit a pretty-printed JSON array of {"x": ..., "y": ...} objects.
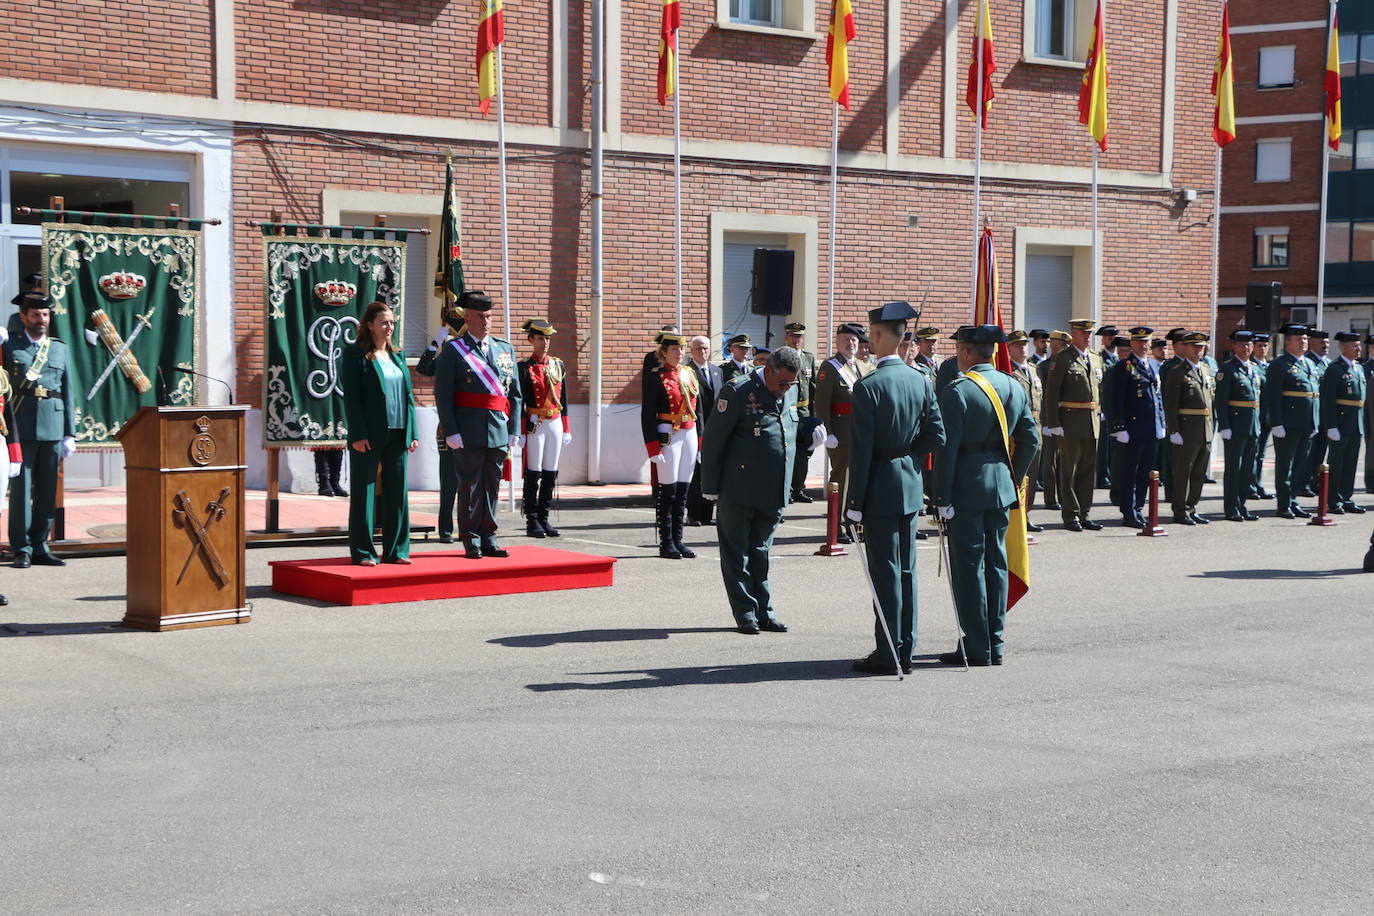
[
  {"x": 546, "y": 481},
  {"x": 679, "y": 518},
  {"x": 322, "y": 474},
  {"x": 663, "y": 511},
  {"x": 334, "y": 459},
  {"x": 530, "y": 505}
]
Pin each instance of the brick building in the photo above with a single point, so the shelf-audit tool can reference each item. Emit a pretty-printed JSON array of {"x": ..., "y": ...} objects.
[{"x": 332, "y": 111}]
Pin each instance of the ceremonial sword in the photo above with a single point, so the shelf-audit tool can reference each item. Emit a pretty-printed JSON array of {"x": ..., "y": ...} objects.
[
  {"x": 877, "y": 605},
  {"x": 949, "y": 577},
  {"x": 114, "y": 361}
]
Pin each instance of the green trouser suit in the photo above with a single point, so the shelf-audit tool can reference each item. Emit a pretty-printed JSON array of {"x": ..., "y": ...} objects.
[
  {"x": 1077, "y": 476},
  {"x": 33, "y": 497},
  {"x": 1291, "y": 458},
  {"x": 1190, "y": 470},
  {"x": 1240, "y": 481},
  {"x": 890, "y": 548},
  {"x": 745, "y": 534},
  {"x": 978, "y": 574},
  {"x": 1341, "y": 458},
  {"x": 393, "y": 507}
]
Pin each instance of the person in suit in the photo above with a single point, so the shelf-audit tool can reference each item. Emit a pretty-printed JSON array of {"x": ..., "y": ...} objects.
[
  {"x": 1135, "y": 414},
  {"x": 835, "y": 381},
  {"x": 1072, "y": 400},
  {"x": 477, "y": 394},
  {"x": 547, "y": 430},
  {"x": 746, "y": 469},
  {"x": 1343, "y": 396},
  {"x": 994, "y": 442},
  {"x": 710, "y": 382},
  {"x": 1238, "y": 397},
  {"x": 1158, "y": 348},
  {"x": 1188, "y": 399},
  {"x": 806, "y": 394},
  {"x": 895, "y": 423},
  {"x": 669, "y": 413},
  {"x": 380, "y": 411},
  {"x": 1291, "y": 387},
  {"x": 1025, "y": 374},
  {"x": 453, "y": 326},
  {"x": 741, "y": 361},
  {"x": 1049, "y": 445},
  {"x": 1259, "y": 358},
  {"x": 40, "y": 378}
]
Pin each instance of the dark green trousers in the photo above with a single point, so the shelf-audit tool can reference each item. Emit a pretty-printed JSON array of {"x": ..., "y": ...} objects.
[
  {"x": 1190, "y": 469},
  {"x": 33, "y": 498},
  {"x": 1369, "y": 459},
  {"x": 978, "y": 573},
  {"x": 1291, "y": 454},
  {"x": 1261, "y": 450},
  {"x": 746, "y": 535},
  {"x": 1342, "y": 457},
  {"x": 448, "y": 490},
  {"x": 394, "y": 502},
  {"x": 1049, "y": 469},
  {"x": 1077, "y": 475},
  {"x": 1239, "y": 482},
  {"x": 890, "y": 547}
]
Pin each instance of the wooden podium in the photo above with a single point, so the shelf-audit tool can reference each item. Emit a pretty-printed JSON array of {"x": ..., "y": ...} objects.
[{"x": 186, "y": 521}]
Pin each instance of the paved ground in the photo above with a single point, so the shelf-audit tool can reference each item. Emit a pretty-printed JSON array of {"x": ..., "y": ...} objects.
[{"x": 1183, "y": 725}]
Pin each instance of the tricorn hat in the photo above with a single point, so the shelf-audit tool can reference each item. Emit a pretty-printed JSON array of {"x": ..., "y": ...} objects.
[
  {"x": 474, "y": 300},
  {"x": 539, "y": 326}
]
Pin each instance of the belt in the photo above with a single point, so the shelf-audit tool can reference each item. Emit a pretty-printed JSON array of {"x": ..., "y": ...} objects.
[
  {"x": 1254, "y": 404},
  {"x": 842, "y": 408},
  {"x": 679, "y": 420},
  {"x": 1194, "y": 412},
  {"x": 1079, "y": 405},
  {"x": 1300, "y": 394},
  {"x": 481, "y": 401},
  {"x": 984, "y": 448},
  {"x": 1346, "y": 402},
  {"x": 803, "y": 403},
  {"x": 891, "y": 454},
  {"x": 548, "y": 413},
  {"x": 40, "y": 392}
]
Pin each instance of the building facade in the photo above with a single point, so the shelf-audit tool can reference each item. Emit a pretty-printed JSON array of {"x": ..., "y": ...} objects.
[{"x": 337, "y": 111}]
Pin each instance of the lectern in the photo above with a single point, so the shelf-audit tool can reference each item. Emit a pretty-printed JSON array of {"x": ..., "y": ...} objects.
[{"x": 186, "y": 524}]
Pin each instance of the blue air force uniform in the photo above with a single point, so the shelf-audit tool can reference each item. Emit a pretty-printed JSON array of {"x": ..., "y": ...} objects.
[{"x": 1136, "y": 409}]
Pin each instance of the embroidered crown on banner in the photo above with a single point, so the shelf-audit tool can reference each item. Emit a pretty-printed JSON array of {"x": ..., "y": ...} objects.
[
  {"x": 335, "y": 292},
  {"x": 121, "y": 285}
]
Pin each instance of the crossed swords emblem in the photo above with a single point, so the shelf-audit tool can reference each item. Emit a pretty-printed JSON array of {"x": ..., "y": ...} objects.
[{"x": 185, "y": 517}]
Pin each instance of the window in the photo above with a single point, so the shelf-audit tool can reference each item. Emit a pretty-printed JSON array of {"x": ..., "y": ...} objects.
[
  {"x": 1049, "y": 287},
  {"x": 1337, "y": 243},
  {"x": 1054, "y": 29},
  {"x": 1274, "y": 159},
  {"x": 1276, "y": 67},
  {"x": 756, "y": 12},
  {"x": 1342, "y": 158},
  {"x": 419, "y": 306},
  {"x": 1362, "y": 242},
  {"x": 738, "y": 271},
  {"x": 1349, "y": 44},
  {"x": 1271, "y": 247},
  {"x": 1364, "y": 149},
  {"x": 1366, "y": 54}
]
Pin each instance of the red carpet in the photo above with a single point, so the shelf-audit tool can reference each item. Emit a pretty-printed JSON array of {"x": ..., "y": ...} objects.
[{"x": 442, "y": 574}]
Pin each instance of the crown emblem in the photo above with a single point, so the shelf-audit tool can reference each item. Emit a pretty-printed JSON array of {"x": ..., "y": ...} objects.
[
  {"x": 335, "y": 292},
  {"x": 122, "y": 285},
  {"x": 201, "y": 423}
]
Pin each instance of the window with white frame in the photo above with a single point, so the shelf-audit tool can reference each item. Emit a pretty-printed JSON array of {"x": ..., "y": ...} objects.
[
  {"x": 1276, "y": 67},
  {"x": 1274, "y": 159},
  {"x": 419, "y": 306},
  {"x": 757, "y": 12},
  {"x": 1058, "y": 30},
  {"x": 738, "y": 267},
  {"x": 1271, "y": 246}
]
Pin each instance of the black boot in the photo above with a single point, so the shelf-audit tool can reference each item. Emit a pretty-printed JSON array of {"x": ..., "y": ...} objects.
[
  {"x": 546, "y": 481},
  {"x": 530, "y": 505},
  {"x": 335, "y": 461},
  {"x": 663, "y": 511},
  {"x": 322, "y": 474},
  {"x": 679, "y": 518}
]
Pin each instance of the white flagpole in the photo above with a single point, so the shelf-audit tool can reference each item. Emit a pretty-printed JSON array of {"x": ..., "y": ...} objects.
[
  {"x": 834, "y": 196},
  {"x": 1216, "y": 247},
  {"x": 1326, "y": 173},
  {"x": 505, "y": 233},
  {"x": 978, "y": 152},
  {"x": 677, "y": 182},
  {"x": 1097, "y": 252}
]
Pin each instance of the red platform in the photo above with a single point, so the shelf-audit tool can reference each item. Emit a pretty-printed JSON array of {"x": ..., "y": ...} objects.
[{"x": 441, "y": 574}]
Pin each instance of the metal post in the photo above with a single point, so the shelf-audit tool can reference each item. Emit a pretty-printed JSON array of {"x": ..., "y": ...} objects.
[{"x": 597, "y": 131}]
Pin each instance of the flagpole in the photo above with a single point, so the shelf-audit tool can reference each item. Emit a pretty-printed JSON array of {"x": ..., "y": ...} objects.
[
  {"x": 677, "y": 182},
  {"x": 1326, "y": 172},
  {"x": 1097, "y": 253},
  {"x": 1216, "y": 246},
  {"x": 980, "y": 40},
  {"x": 834, "y": 197},
  {"x": 505, "y": 227}
]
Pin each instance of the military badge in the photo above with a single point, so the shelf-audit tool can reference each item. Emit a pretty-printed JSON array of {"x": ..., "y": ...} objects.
[{"x": 722, "y": 404}]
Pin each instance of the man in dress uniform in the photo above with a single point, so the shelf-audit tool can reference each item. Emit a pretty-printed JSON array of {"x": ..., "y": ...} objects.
[
  {"x": 993, "y": 439},
  {"x": 926, "y": 341},
  {"x": 895, "y": 424},
  {"x": 948, "y": 369},
  {"x": 835, "y": 381},
  {"x": 1369, "y": 414},
  {"x": 1072, "y": 400},
  {"x": 709, "y": 383},
  {"x": 1259, "y": 358},
  {"x": 30, "y": 284},
  {"x": 1025, "y": 373},
  {"x": 1040, "y": 340},
  {"x": 741, "y": 362},
  {"x": 42, "y": 398},
  {"x": 746, "y": 469},
  {"x": 1158, "y": 346},
  {"x": 1188, "y": 420},
  {"x": 1318, "y": 346},
  {"x": 1238, "y": 395},
  {"x": 1107, "y": 335},
  {"x": 1166, "y": 454},
  {"x": 1049, "y": 445},
  {"x": 477, "y": 394},
  {"x": 1343, "y": 395},
  {"x": 806, "y": 393},
  {"x": 1135, "y": 414},
  {"x": 1291, "y": 386},
  {"x": 448, "y": 473}
]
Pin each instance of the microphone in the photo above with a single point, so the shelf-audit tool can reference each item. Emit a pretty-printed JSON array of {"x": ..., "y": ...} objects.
[
  {"x": 185, "y": 371},
  {"x": 163, "y": 397}
]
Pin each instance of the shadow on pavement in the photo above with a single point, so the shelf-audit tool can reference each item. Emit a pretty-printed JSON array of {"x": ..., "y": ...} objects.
[
  {"x": 833, "y": 669},
  {"x": 1275, "y": 573},
  {"x": 540, "y": 640},
  {"x": 63, "y": 629}
]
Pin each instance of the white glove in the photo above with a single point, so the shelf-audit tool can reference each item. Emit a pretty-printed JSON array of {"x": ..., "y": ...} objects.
[
  {"x": 5, "y": 335},
  {"x": 520, "y": 441},
  {"x": 1123, "y": 437},
  {"x": 1314, "y": 434},
  {"x": 946, "y": 512},
  {"x": 454, "y": 441},
  {"x": 1226, "y": 434},
  {"x": 514, "y": 441},
  {"x": 665, "y": 427},
  {"x": 1278, "y": 432},
  {"x": 68, "y": 447},
  {"x": 817, "y": 437},
  {"x": 567, "y": 438},
  {"x": 1056, "y": 431},
  {"x": 1334, "y": 435},
  {"x": 1176, "y": 438},
  {"x": 658, "y": 459},
  {"x": 15, "y": 468},
  {"x": 854, "y": 515},
  {"x": 710, "y": 496},
  {"x": 831, "y": 441},
  {"x": 441, "y": 337}
]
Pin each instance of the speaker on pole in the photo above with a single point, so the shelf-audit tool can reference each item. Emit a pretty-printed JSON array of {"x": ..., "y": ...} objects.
[
  {"x": 771, "y": 291},
  {"x": 1263, "y": 306}
]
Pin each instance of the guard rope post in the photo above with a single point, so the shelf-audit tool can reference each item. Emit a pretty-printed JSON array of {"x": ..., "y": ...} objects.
[
  {"x": 832, "y": 546},
  {"x": 1152, "y": 528},
  {"x": 1322, "y": 519}
]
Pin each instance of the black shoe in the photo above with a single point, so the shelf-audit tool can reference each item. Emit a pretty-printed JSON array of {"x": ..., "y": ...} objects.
[
  {"x": 684, "y": 552},
  {"x": 472, "y": 553},
  {"x": 1209, "y": 479},
  {"x": 774, "y": 625},
  {"x": 1235, "y": 518},
  {"x": 921, "y": 535},
  {"x": 1336, "y": 510},
  {"x": 1306, "y": 491},
  {"x": 550, "y": 530},
  {"x": 47, "y": 559},
  {"x": 1249, "y": 516},
  {"x": 997, "y": 662},
  {"x": 1285, "y": 514},
  {"x": 339, "y": 491},
  {"x": 1357, "y": 510},
  {"x": 748, "y": 628},
  {"x": 667, "y": 551},
  {"x": 1180, "y": 519},
  {"x": 1198, "y": 518},
  {"x": 326, "y": 490},
  {"x": 1300, "y": 512},
  {"x": 843, "y": 538},
  {"x": 532, "y": 528},
  {"x": 1092, "y": 525},
  {"x": 22, "y": 561},
  {"x": 1265, "y": 494},
  {"x": 4, "y": 601},
  {"x": 445, "y": 539},
  {"x": 1034, "y": 528},
  {"x": 801, "y": 497},
  {"x": 875, "y": 664},
  {"x": 1073, "y": 524},
  {"x": 955, "y": 658},
  {"x": 1130, "y": 521},
  {"x": 1052, "y": 506},
  {"x": 693, "y": 523},
  {"x": 491, "y": 550}
]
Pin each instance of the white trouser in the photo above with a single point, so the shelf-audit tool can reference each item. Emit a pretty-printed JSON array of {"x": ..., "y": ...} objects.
[
  {"x": 544, "y": 445},
  {"x": 679, "y": 457}
]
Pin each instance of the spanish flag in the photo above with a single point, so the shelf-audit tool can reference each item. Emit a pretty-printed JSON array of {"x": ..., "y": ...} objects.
[
  {"x": 986, "y": 308},
  {"x": 1333, "y": 85},
  {"x": 842, "y": 32},
  {"x": 1223, "y": 83},
  {"x": 1092, "y": 95},
  {"x": 982, "y": 38},
  {"x": 667, "y": 50},
  {"x": 491, "y": 31}
]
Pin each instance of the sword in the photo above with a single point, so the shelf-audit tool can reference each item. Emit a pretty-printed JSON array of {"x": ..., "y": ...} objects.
[
  {"x": 945, "y": 565},
  {"x": 877, "y": 605},
  {"x": 114, "y": 360}
]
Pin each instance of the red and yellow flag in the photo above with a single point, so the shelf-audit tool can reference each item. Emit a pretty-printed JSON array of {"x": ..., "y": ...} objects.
[
  {"x": 986, "y": 308},
  {"x": 491, "y": 31},
  {"x": 1092, "y": 95},
  {"x": 667, "y": 50},
  {"x": 1333, "y": 86},
  {"x": 842, "y": 32},
  {"x": 982, "y": 39},
  {"x": 1223, "y": 85}
]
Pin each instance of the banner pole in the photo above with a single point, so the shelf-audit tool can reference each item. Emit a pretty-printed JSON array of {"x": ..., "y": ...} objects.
[
  {"x": 677, "y": 183},
  {"x": 1216, "y": 245},
  {"x": 1097, "y": 248},
  {"x": 1326, "y": 172},
  {"x": 977, "y": 152},
  {"x": 505, "y": 235}
]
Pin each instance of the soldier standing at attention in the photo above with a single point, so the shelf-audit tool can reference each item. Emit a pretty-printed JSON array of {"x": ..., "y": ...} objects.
[
  {"x": 1136, "y": 412},
  {"x": 926, "y": 360},
  {"x": 42, "y": 398},
  {"x": 477, "y": 394},
  {"x": 1025, "y": 373},
  {"x": 1166, "y": 454},
  {"x": 1188, "y": 419},
  {"x": 1343, "y": 395},
  {"x": 992, "y": 440},
  {"x": 1318, "y": 345},
  {"x": 1259, "y": 358},
  {"x": 1049, "y": 445},
  {"x": 741, "y": 361},
  {"x": 1239, "y": 390},
  {"x": 1107, "y": 336},
  {"x": 1072, "y": 396},
  {"x": 452, "y": 327},
  {"x": 547, "y": 429},
  {"x": 1040, "y": 339},
  {"x": 1290, "y": 401},
  {"x": 1368, "y": 365},
  {"x": 896, "y": 423},
  {"x": 806, "y": 393},
  {"x": 668, "y": 417},
  {"x": 835, "y": 381}
]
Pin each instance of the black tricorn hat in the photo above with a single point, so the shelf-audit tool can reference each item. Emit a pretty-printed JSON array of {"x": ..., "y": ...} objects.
[
  {"x": 982, "y": 334},
  {"x": 893, "y": 311},
  {"x": 475, "y": 300}
]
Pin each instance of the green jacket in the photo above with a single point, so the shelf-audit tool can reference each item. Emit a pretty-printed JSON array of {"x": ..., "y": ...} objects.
[
  {"x": 480, "y": 427},
  {"x": 43, "y": 406},
  {"x": 806, "y": 384},
  {"x": 973, "y": 474},
  {"x": 750, "y": 444},
  {"x": 1342, "y": 398},
  {"x": 946, "y": 372},
  {"x": 1239, "y": 384},
  {"x": 1188, "y": 403},
  {"x": 364, "y": 402},
  {"x": 1073, "y": 378},
  {"x": 896, "y": 423},
  {"x": 1290, "y": 387}
]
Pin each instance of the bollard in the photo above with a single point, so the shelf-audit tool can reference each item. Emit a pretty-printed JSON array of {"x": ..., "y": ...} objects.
[
  {"x": 832, "y": 547},
  {"x": 1152, "y": 527},
  {"x": 1322, "y": 519}
]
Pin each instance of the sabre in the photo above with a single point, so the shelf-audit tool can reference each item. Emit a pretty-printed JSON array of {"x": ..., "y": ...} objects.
[
  {"x": 949, "y": 577},
  {"x": 216, "y": 510},
  {"x": 877, "y": 605},
  {"x": 114, "y": 361}
]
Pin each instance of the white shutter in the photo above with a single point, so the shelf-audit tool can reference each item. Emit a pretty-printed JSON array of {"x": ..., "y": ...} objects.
[
  {"x": 738, "y": 258},
  {"x": 417, "y": 302},
  {"x": 1276, "y": 66},
  {"x": 1049, "y": 291}
]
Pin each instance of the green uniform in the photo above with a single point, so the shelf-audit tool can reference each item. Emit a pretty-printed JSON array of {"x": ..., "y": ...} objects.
[
  {"x": 1257, "y": 491},
  {"x": 1048, "y": 457},
  {"x": 1166, "y": 454},
  {"x": 1188, "y": 416},
  {"x": 1072, "y": 398},
  {"x": 1035, "y": 396},
  {"x": 1290, "y": 401},
  {"x": 834, "y": 404},
  {"x": 747, "y": 455},
  {"x": 1106, "y": 445},
  {"x": 806, "y": 394},
  {"x": 896, "y": 423},
  {"x": 379, "y": 408},
  {"x": 1368, "y": 426},
  {"x": 1238, "y": 393},
  {"x": 1342, "y": 409},
  {"x": 946, "y": 372},
  {"x": 1317, "y": 456},
  {"x": 43, "y": 413},
  {"x": 448, "y": 474},
  {"x": 980, "y": 484}
]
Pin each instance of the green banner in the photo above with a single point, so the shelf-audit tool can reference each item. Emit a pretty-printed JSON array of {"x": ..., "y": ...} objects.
[
  {"x": 127, "y": 303},
  {"x": 317, "y": 289}
]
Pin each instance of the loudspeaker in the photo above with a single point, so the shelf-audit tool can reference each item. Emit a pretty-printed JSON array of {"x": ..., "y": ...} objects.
[
  {"x": 771, "y": 292},
  {"x": 1263, "y": 305}
]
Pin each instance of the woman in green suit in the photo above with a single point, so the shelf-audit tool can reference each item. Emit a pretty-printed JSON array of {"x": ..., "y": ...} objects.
[{"x": 380, "y": 411}]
